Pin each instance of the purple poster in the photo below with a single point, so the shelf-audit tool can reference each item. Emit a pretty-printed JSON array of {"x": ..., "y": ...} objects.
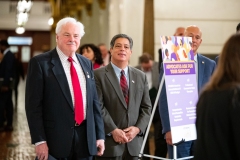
[{"x": 181, "y": 86}]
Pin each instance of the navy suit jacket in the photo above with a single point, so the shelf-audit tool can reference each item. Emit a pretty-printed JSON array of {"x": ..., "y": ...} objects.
[
  {"x": 216, "y": 59},
  {"x": 49, "y": 105},
  {"x": 7, "y": 68},
  {"x": 206, "y": 68}
]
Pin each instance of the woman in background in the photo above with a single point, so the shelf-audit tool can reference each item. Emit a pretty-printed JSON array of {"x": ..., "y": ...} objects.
[
  {"x": 92, "y": 52},
  {"x": 218, "y": 108}
]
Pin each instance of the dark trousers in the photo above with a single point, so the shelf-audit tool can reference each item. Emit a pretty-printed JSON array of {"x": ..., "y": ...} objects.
[
  {"x": 6, "y": 105},
  {"x": 159, "y": 140},
  {"x": 79, "y": 149},
  {"x": 183, "y": 150},
  {"x": 126, "y": 156}
]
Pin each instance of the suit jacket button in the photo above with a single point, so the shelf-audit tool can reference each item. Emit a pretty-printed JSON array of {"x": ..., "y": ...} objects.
[{"x": 72, "y": 127}]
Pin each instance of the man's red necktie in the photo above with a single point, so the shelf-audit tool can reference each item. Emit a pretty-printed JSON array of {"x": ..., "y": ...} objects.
[
  {"x": 78, "y": 108},
  {"x": 124, "y": 86}
]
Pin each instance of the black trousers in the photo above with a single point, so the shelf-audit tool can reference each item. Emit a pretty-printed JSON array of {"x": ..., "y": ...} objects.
[
  {"x": 79, "y": 149},
  {"x": 6, "y": 106}
]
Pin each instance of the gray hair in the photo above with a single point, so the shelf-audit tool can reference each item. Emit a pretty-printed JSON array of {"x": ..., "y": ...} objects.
[
  {"x": 66, "y": 20},
  {"x": 121, "y": 36}
]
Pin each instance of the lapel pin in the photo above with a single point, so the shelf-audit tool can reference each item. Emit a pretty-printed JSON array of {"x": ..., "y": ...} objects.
[
  {"x": 133, "y": 81},
  {"x": 88, "y": 75},
  {"x": 202, "y": 62}
]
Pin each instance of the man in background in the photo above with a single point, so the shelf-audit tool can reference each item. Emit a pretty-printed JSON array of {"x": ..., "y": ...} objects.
[
  {"x": 179, "y": 31},
  {"x": 151, "y": 69},
  {"x": 7, "y": 73},
  {"x": 204, "y": 69},
  {"x": 105, "y": 53}
]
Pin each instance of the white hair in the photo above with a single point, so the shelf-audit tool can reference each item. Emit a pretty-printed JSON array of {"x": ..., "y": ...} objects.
[{"x": 66, "y": 20}]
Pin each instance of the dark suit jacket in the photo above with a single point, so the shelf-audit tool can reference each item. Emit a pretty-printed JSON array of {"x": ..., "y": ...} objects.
[
  {"x": 216, "y": 59},
  {"x": 49, "y": 106},
  {"x": 116, "y": 113},
  {"x": 206, "y": 68},
  {"x": 7, "y": 68},
  {"x": 218, "y": 125},
  {"x": 155, "y": 74}
]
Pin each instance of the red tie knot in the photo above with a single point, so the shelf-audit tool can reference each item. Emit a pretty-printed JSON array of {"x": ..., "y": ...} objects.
[{"x": 70, "y": 59}]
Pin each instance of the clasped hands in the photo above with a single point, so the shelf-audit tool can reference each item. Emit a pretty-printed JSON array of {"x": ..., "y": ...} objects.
[{"x": 126, "y": 135}]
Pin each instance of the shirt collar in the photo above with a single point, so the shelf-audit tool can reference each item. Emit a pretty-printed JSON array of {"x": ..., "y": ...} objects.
[
  {"x": 118, "y": 70},
  {"x": 196, "y": 58},
  {"x": 64, "y": 57}
]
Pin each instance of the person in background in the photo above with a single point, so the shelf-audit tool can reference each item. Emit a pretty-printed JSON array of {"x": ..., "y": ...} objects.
[
  {"x": 92, "y": 52},
  {"x": 124, "y": 97},
  {"x": 105, "y": 53},
  {"x": 179, "y": 31},
  {"x": 237, "y": 31},
  {"x": 218, "y": 108},
  {"x": 151, "y": 69},
  {"x": 19, "y": 74},
  {"x": 7, "y": 73},
  {"x": 204, "y": 69},
  {"x": 61, "y": 101}
]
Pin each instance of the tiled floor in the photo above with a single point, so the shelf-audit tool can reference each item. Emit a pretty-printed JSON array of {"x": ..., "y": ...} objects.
[{"x": 16, "y": 145}]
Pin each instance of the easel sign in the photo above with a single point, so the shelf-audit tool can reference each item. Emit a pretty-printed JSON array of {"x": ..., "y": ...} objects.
[{"x": 181, "y": 86}]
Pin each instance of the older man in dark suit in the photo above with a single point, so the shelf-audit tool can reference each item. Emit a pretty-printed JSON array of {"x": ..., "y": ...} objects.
[
  {"x": 62, "y": 107},
  {"x": 204, "y": 69},
  {"x": 7, "y": 68},
  {"x": 124, "y": 98}
]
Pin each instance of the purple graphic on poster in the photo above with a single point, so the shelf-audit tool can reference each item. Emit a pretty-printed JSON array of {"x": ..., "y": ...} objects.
[{"x": 181, "y": 87}]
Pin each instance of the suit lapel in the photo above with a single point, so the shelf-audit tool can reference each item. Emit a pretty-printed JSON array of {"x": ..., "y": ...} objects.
[
  {"x": 132, "y": 86},
  {"x": 113, "y": 80},
  {"x": 201, "y": 66},
  {"x": 60, "y": 75}
]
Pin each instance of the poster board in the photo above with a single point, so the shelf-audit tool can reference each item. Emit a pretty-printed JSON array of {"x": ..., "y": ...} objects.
[{"x": 181, "y": 86}]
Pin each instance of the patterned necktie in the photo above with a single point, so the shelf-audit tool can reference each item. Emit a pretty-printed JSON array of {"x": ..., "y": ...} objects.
[
  {"x": 124, "y": 86},
  {"x": 78, "y": 107}
]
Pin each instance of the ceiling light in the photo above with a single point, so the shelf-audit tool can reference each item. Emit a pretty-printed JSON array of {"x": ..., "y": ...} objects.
[
  {"x": 20, "y": 30},
  {"x": 24, "y": 6},
  {"x": 50, "y": 21}
]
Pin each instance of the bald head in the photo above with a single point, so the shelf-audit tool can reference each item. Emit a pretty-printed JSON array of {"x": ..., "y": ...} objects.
[
  {"x": 179, "y": 31},
  {"x": 196, "y": 34}
]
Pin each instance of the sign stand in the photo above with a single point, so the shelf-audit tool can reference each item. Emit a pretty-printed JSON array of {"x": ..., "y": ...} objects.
[
  {"x": 148, "y": 128},
  {"x": 149, "y": 124}
]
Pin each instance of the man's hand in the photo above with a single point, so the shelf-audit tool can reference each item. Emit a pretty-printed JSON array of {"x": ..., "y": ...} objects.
[
  {"x": 131, "y": 132},
  {"x": 42, "y": 151},
  {"x": 119, "y": 136},
  {"x": 168, "y": 136},
  {"x": 100, "y": 147}
]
